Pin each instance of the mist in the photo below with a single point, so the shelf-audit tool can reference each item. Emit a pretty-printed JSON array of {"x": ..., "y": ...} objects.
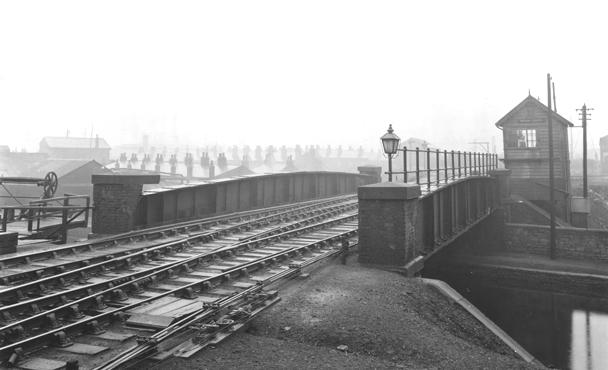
[{"x": 284, "y": 73}]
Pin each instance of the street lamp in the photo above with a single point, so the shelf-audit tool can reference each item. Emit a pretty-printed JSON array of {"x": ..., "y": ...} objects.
[{"x": 390, "y": 142}]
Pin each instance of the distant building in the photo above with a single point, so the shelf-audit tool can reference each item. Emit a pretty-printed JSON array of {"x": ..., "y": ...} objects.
[
  {"x": 413, "y": 143},
  {"x": 76, "y": 148},
  {"x": 526, "y": 147},
  {"x": 74, "y": 177}
]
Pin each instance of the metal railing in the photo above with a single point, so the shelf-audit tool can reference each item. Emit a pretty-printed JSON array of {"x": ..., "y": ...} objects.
[
  {"x": 428, "y": 167},
  {"x": 72, "y": 215}
]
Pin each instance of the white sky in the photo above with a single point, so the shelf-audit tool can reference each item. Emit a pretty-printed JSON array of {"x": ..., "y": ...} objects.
[{"x": 287, "y": 72}]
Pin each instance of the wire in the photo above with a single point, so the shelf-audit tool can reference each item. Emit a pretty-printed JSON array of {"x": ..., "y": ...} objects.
[{"x": 12, "y": 196}]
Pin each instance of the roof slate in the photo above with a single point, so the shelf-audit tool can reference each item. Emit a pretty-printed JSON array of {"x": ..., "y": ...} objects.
[
  {"x": 535, "y": 101},
  {"x": 74, "y": 142}
]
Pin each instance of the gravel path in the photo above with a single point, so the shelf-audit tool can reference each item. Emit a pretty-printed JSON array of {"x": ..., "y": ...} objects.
[{"x": 385, "y": 321}]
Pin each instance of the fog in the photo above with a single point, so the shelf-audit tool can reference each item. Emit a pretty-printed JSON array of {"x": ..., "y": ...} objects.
[{"x": 285, "y": 73}]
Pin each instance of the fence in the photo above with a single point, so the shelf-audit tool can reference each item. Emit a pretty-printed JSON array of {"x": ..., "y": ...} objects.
[
  {"x": 433, "y": 167},
  {"x": 52, "y": 209}
]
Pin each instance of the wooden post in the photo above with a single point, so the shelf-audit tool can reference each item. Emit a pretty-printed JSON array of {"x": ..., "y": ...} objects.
[
  {"x": 64, "y": 221},
  {"x": 551, "y": 174}
]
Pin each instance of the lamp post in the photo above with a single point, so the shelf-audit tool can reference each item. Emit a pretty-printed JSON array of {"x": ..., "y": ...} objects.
[{"x": 390, "y": 143}]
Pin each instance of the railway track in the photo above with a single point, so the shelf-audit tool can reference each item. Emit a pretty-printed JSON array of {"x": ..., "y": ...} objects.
[{"x": 167, "y": 280}]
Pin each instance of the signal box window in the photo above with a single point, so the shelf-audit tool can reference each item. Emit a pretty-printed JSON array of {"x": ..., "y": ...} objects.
[{"x": 526, "y": 138}]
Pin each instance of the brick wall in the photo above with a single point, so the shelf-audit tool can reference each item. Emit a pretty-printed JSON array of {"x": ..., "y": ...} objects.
[
  {"x": 387, "y": 231},
  {"x": 520, "y": 213},
  {"x": 8, "y": 242},
  {"x": 389, "y": 223},
  {"x": 115, "y": 207},
  {"x": 585, "y": 244}
]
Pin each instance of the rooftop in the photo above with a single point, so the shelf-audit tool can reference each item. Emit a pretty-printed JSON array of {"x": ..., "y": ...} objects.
[{"x": 74, "y": 142}]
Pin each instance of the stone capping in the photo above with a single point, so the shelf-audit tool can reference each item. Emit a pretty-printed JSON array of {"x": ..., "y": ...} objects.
[
  {"x": 389, "y": 191},
  {"x": 125, "y": 179}
]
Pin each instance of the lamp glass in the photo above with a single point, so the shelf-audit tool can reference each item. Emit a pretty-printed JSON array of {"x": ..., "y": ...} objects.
[{"x": 390, "y": 141}]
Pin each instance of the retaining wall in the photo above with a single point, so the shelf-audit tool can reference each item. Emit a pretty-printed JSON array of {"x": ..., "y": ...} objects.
[{"x": 586, "y": 244}]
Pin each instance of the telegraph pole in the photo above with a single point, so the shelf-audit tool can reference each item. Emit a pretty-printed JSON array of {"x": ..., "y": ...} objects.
[
  {"x": 584, "y": 113},
  {"x": 551, "y": 174}
]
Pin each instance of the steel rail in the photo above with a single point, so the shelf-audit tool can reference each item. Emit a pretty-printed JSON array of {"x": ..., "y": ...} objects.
[
  {"x": 148, "y": 278},
  {"x": 37, "y": 273},
  {"x": 85, "y": 272},
  {"x": 206, "y": 313},
  {"x": 159, "y": 231}
]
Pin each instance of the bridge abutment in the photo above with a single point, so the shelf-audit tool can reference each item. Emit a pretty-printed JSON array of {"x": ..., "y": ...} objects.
[
  {"x": 400, "y": 228},
  {"x": 390, "y": 229},
  {"x": 115, "y": 201}
]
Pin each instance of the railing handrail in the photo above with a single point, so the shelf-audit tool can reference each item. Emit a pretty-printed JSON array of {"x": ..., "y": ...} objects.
[
  {"x": 49, "y": 208},
  {"x": 59, "y": 199},
  {"x": 443, "y": 167}
]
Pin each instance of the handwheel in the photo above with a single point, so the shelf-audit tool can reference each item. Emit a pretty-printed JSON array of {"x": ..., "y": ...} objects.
[{"x": 50, "y": 184}]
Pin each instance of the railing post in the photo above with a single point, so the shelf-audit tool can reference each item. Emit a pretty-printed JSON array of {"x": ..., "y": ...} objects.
[
  {"x": 38, "y": 217},
  {"x": 417, "y": 165},
  {"x": 459, "y": 168},
  {"x": 404, "y": 164},
  {"x": 445, "y": 165},
  {"x": 4, "y": 219},
  {"x": 86, "y": 212},
  {"x": 64, "y": 221},
  {"x": 486, "y": 162},
  {"x": 30, "y": 218},
  {"x": 475, "y": 163},
  {"x": 437, "y": 165},
  {"x": 428, "y": 167},
  {"x": 465, "y": 164},
  {"x": 453, "y": 169}
]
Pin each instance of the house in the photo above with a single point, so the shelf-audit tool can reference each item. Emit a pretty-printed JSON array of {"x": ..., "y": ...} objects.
[
  {"x": 526, "y": 154},
  {"x": 76, "y": 148},
  {"x": 74, "y": 177}
]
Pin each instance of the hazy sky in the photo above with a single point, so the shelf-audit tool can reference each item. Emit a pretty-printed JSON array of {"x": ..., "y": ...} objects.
[{"x": 286, "y": 72}]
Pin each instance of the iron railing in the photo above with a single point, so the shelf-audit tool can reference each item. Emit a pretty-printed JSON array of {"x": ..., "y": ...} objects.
[
  {"x": 71, "y": 215},
  {"x": 433, "y": 167}
]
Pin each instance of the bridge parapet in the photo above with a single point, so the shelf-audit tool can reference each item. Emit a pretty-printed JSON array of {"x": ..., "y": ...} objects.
[
  {"x": 401, "y": 226},
  {"x": 121, "y": 207}
]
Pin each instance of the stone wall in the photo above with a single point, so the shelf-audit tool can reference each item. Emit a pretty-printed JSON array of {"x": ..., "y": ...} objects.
[{"x": 585, "y": 244}]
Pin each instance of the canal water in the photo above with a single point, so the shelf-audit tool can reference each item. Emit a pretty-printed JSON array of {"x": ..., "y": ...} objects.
[{"x": 565, "y": 331}]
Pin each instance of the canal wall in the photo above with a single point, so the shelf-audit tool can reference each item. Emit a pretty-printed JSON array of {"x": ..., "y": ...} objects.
[{"x": 574, "y": 243}]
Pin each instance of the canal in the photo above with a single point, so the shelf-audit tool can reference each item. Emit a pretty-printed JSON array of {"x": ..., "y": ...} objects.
[{"x": 566, "y": 331}]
